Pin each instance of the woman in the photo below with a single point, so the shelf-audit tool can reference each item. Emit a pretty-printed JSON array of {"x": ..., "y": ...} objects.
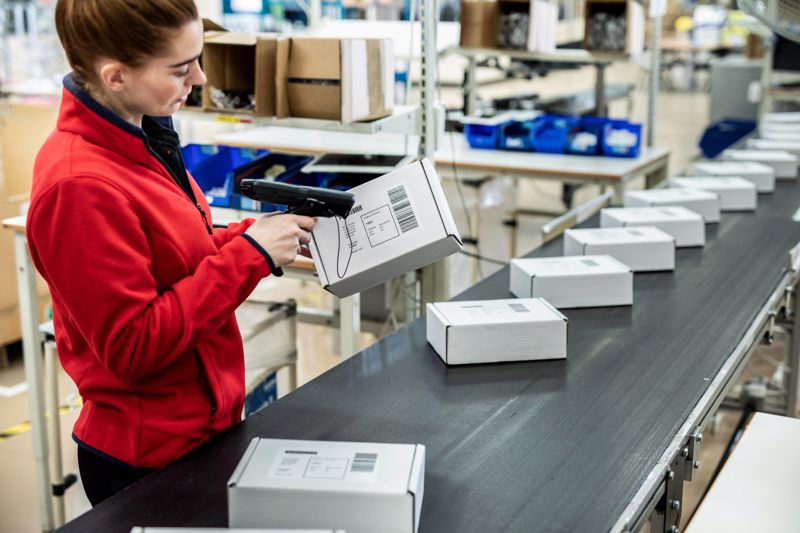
[{"x": 143, "y": 288}]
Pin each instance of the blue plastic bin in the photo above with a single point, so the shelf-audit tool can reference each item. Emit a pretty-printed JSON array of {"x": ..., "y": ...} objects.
[
  {"x": 486, "y": 136},
  {"x": 214, "y": 174},
  {"x": 193, "y": 154},
  {"x": 721, "y": 135},
  {"x": 622, "y": 139},
  {"x": 258, "y": 168},
  {"x": 516, "y": 136},
  {"x": 586, "y": 137},
  {"x": 549, "y": 133}
]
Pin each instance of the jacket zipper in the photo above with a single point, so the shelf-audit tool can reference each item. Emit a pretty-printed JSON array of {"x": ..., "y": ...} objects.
[{"x": 178, "y": 183}]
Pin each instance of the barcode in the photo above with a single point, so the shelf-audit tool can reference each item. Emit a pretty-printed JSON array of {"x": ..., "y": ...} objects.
[
  {"x": 364, "y": 462},
  {"x": 356, "y": 209},
  {"x": 518, "y": 308},
  {"x": 402, "y": 209},
  {"x": 590, "y": 262}
]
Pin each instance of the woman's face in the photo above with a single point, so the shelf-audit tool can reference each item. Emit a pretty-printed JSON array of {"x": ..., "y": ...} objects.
[{"x": 159, "y": 86}]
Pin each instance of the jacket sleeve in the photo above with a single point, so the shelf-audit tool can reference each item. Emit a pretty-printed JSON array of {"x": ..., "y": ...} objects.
[
  {"x": 87, "y": 241},
  {"x": 223, "y": 235}
]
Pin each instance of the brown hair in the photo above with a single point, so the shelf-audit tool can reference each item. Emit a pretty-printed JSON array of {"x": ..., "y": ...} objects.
[{"x": 128, "y": 31}]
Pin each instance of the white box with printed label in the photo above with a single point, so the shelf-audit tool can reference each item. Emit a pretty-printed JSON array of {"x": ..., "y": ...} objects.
[
  {"x": 685, "y": 225},
  {"x": 356, "y": 486},
  {"x": 400, "y": 222},
  {"x": 761, "y": 175},
  {"x": 643, "y": 249},
  {"x": 784, "y": 163},
  {"x": 493, "y": 331},
  {"x": 573, "y": 281},
  {"x": 702, "y": 202},
  {"x": 735, "y": 193}
]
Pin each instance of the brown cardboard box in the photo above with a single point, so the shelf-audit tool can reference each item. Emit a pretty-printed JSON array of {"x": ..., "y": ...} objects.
[
  {"x": 348, "y": 80},
  {"x": 479, "y": 24},
  {"x": 242, "y": 62}
]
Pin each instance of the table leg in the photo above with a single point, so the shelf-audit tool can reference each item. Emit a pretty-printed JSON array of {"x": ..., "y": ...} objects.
[
  {"x": 652, "y": 179},
  {"x": 31, "y": 351},
  {"x": 794, "y": 359},
  {"x": 600, "y": 90},
  {"x": 56, "y": 465},
  {"x": 470, "y": 97},
  {"x": 349, "y": 325}
]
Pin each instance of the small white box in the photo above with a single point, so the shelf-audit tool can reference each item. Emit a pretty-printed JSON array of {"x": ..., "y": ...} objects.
[
  {"x": 735, "y": 193},
  {"x": 784, "y": 163},
  {"x": 780, "y": 135},
  {"x": 685, "y": 225},
  {"x": 643, "y": 249},
  {"x": 781, "y": 117},
  {"x": 226, "y": 530},
  {"x": 761, "y": 175},
  {"x": 573, "y": 281},
  {"x": 776, "y": 127},
  {"x": 355, "y": 486},
  {"x": 793, "y": 147},
  {"x": 400, "y": 222},
  {"x": 494, "y": 331},
  {"x": 702, "y": 202}
]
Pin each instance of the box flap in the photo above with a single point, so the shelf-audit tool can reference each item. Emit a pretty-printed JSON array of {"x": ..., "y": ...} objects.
[
  {"x": 210, "y": 25},
  {"x": 315, "y": 59},
  {"x": 283, "y": 48},
  {"x": 237, "y": 473},
  {"x": 265, "y": 74},
  {"x": 416, "y": 482}
]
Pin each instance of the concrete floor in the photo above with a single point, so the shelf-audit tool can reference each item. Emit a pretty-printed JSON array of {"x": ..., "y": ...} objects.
[{"x": 679, "y": 121}]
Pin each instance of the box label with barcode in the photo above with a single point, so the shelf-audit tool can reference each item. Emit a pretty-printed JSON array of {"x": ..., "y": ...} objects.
[
  {"x": 403, "y": 209},
  {"x": 291, "y": 464}
]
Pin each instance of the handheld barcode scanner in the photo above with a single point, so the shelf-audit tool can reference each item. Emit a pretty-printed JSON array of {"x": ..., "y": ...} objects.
[{"x": 301, "y": 200}]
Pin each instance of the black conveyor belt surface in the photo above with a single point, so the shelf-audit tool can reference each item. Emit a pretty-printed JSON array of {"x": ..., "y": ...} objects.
[{"x": 555, "y": 446}]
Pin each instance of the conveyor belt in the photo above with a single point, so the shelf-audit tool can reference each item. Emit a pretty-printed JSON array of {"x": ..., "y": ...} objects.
[{"x": 559, "y": 446}]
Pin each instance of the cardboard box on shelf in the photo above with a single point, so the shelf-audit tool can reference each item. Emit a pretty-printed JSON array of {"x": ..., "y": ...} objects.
[
  {"x": 243, "y": 65},
  {"x": 700, "y": 201},
  {"x": 357, "y": 486},
  {"x": 573, "y": 281},
  {"x": 784, "y": 163},
  {"x": 400, "y": 222},
  {"x": 614, "y": 26},
  {"x": 479, "y": 24},
  {"x": 348, "y": 80},
  {"x": 761, "y": 175},
  {"x": 686, "y": 226},
  {"x": 642, "y": 249},
  {"x": 735, "y": 193},
  {"x": 493, "y": 331}
]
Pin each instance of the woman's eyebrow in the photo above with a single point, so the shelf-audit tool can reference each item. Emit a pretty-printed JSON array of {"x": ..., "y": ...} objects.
[{"x": 182, "y": 63}]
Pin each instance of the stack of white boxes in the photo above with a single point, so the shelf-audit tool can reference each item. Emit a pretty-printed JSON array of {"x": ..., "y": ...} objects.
[
  {"x": 358, "y": 487},
  {"x": 467, "y": 332},
  {"x": 735, "y": 194},
  {"x": 793, "y": 147},
  {"x": 686, "y": 226},
  {"x": 643, "y": 249},
  {"x": 573, "y": 281},
  {"x": 784, "y": 163},
  {"x": 761, "y": 175},
  {"x": 703, "y": 202}
]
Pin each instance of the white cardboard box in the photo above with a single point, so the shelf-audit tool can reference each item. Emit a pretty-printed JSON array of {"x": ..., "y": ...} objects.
[
  {"x": 573, "y": 281},
  {"x": 784, "y": 163},
  {"x": 643, "y": 249},
  {"x": 355, "y": 486},
  {"x": 761, "y": 175},
  {"x": 685, "y": 225},
  {"x": 793, "y": 147},
  {"x": 700, "y": 201},
  {"x": 780, "y": 135},
  {"x": 542, "y": 26},
  {"x": 494, "y": 331},
  {"x": 226, "y": 530},
  {"x": 781, "y": 117},
  {"x": 400, "y": 222},
  {"x": 735, "y": 193}
]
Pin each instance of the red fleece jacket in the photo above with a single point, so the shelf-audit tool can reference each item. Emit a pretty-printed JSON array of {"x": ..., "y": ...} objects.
[{"x": 143, "y": 297}]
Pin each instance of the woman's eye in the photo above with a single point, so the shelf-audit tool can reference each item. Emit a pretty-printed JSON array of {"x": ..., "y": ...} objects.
[{"x": 182, "y": 73}]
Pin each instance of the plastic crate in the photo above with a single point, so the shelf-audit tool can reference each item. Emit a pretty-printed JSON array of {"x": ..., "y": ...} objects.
[
  {"x": 214, "y": 174},
  {"x": 721, "y": 135},
  {"x": 266, "y": 167},
  {"x": 194, "y": 154},
  {"x": 586, "y": 137},
  {"x": 622, "y": 139},
  {"x": 516, "y": 136},
  {"x": 485, "y": 136},
  {"x": 549, "y": 133}
]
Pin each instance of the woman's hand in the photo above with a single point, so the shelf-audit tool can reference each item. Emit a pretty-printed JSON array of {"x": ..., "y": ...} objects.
[{"x": 282, "y": 236}]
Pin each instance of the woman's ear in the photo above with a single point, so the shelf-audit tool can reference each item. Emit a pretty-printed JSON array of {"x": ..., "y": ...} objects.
[{"x": 112, "y": 74}]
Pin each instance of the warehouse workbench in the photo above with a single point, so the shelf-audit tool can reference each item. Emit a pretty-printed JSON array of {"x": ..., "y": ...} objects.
[{"x": 601, "y": 441}]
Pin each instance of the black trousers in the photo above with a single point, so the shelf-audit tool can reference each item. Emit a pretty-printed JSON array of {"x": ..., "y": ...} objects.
[{"x": 102, "y": 478}]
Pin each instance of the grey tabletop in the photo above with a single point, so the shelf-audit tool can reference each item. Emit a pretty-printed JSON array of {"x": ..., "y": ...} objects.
[{"x": 553, "y": 446}]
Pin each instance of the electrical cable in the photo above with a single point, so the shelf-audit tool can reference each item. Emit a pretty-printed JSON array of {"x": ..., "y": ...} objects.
[
  {"x": 339, "y": 245},
  {"x": 484, "y": 258}
]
